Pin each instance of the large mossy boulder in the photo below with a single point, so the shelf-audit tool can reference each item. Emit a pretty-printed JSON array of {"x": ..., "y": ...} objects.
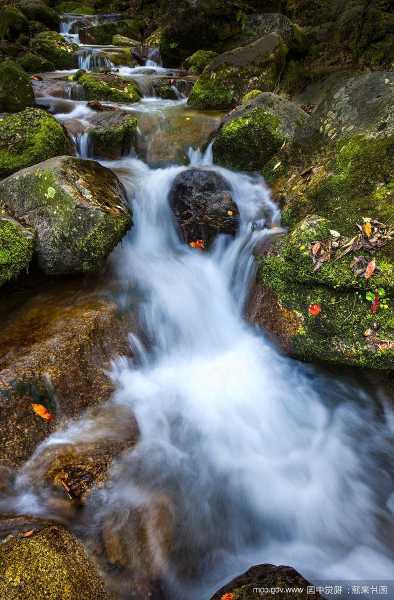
[
  {"x": 268, "y": 577},
  {"x": 231, "y": 75},
  {"x": 51, "y": 563},
  {"x": 77, "y": 208},
  {"x": 197, "y": 62},
  {"x": 329, "y": 282},
  {"x": 56, "y": 49},
  {"x": 37, "y": 10},
  {"x": 13, "y": 23},
  {"x": 30, "y": 137},
  {"x": 202, "y": 203},
  {"x": 113, "y": 135},
  {"x": 109, "y": 87},
  {"x": 16, "y": 248},
  {"x": 16, "y": 92},
  {"x": 252, "y": 134},
  {"x": 104, "y": 32}
]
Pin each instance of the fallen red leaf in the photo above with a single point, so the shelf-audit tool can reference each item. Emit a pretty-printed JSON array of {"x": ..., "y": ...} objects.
[
  {"x": 370, "y": 270},
  {"x": 228, "y": 596},
  {"x": 42, "y": 412},
  {"x": 314, "y": 310},
  {"x": 198, "y": 244},
  {"x": 375, "y": 306}
]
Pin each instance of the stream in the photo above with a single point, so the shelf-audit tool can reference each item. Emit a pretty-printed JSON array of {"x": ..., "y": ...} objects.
[{"x": 250, "y": 456}]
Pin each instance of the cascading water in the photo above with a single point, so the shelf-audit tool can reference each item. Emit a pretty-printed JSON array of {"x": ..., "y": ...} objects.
[
  {"x": 251, "y": 456},
  {"x": 93, "y": 59}
]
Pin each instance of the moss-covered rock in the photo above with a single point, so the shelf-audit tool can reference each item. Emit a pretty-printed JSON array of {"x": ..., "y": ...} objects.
[
  {"x": 104, "y": 32},
  {"x": 77, "y": 208},
  {"x": 16, "y": 92},
  {"x": 109, "y": 87},
  {"x": 34, "y": 63},
  {"x": 232, "y": 74},
  {"x": 13, "y": 23},
  {"x": 37, "y": 10},
  {"x": 115, "y": 137},
  {"x": 251, "y": 135},
  {"x": 74, "y": 7},
  {"x": 51, "y": 564},
  {"x": 16, "y": 248},
  {"x": 30, "y": 137},
  {"x": 56, "y": 49},
  {"x": 251, "y": 96},
  {"x": 197, "y": 62},
  {"x": 123, "y": 40}
]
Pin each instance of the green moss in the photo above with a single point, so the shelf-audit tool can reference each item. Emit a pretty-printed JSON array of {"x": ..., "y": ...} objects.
[
  {"x": 103, "y": 33},
  {"x": 56, "y": 49},
  {"x": 16, "y": 92},
  {"x": 199, "y": 60},
  {"x": 210, "y": 91},
  {"x": 251, "y": 96},
  {"x": 114, "y": 141},
  {"x": 79, "y": 8},
  {"x": 113, "y": 88},
  {"x": 33, "y": 63},
  {"x": 248, "y": 142},
  {"x": 16, "y": 248},
  {"x": 12, "y": 23},
  {"x": 30, "y": 137}
]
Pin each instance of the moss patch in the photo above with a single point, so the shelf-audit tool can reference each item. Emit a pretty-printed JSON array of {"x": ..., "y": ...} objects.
[
  {"x": 34, "y": 63},
  {"x": 114, "y": 141},
  {"x": 16, "y": 92},
  {"x": 109, "y": 88},
  {"x": 248, "y": 142},
  {"x": 56, "y": 49},
  {"x": 16, "y": 248},
  {"x": 199, "y": 60},
  {"x": 12, "y": 23},
  {"x": 30, "y": 137}
]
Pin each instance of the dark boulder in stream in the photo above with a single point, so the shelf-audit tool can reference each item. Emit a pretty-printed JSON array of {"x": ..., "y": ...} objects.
[
  {"x": 77, "y": 208},
  {"x": 203, "y": 206},
  {"x": 247, "y": 586}
]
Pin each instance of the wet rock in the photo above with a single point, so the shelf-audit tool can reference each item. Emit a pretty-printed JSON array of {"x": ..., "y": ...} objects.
[
  {"x": 253, "y": 133},
  {"x": 265, "y": 577},
  {"x": 77, "y": 208},
  {"x": 49, "y": 563},
  {"x": 96, "y": 105},
  {"x": 55, "y": 348},
  {"x": 104, "y": 32},
  {"x": 56, "y": 49},
  {"x": 113, "y": 134},
  {"x": 203, "y": 205},
  {"x": 16, "y": 92},
  {"x": 109, "y": 87},
  {"x": 30, "y": 137},
  {"x": 16, "y": 248},
  {"x": 232, "y": 74}
]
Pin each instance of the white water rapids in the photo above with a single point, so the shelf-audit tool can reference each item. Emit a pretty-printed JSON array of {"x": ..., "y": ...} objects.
[{"x": 260, "y": 458}]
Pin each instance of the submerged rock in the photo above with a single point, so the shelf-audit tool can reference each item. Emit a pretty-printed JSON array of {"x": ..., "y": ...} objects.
[
  {"x": 49, "y": 563},
  {"x": 16, "y": 92},
  {"x": 203, "y": 206},
  {"x": 77, "y": 208},
  {"x": 30, "y": 137},
  {"x": 252, "y": 134},
  {"x": 16, "y": 248},
  {"x": 230, "y": 75},
  {"x": 55, "y": 348},
  {"x": 265, "y": 577}
]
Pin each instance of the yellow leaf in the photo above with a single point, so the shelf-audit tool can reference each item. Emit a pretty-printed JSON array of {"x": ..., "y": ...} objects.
[
  {"x": 42, "y": 411},
  {"x": 367, "y": 229}
]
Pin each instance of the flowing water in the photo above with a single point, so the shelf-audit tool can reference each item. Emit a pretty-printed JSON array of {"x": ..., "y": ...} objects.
[{"x": 251, "y": 457}]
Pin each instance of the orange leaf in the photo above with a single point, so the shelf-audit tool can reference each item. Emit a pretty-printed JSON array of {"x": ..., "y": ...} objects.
[
  {"x": 42, "y": 412},
  {"x": 367, "y": 229},
  {"x": 228, "y": 596},
  {"x": 198, "y": 244},
  {"x": 370, "y": 270},
  {"x": 316, "y": 248},
  {"x": 27, "y": 533},
  {"x": 314, "y": 310}
]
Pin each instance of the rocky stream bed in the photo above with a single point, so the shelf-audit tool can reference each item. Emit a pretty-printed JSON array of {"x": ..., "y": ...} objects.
[{"x": 196, "y": 299}]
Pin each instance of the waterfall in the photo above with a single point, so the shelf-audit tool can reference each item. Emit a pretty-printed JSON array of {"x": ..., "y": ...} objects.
[{"x": 93, "y": 59}]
